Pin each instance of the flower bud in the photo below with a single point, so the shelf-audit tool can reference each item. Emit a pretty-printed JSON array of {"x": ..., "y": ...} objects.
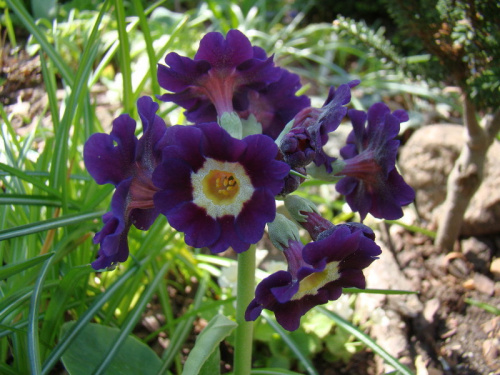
[
  {"x": 306, "y": 214},
  {"x": 282, "y": 231}
]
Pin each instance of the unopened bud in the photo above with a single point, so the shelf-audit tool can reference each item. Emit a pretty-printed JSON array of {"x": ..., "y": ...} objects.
[{"x": 282, "y": 231}]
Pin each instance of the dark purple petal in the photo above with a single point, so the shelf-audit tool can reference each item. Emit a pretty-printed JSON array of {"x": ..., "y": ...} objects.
[
  {"x": 261, "y": 209},
  {"x": 225, "y": 75},
  {"x": 352, "y": 278},
  {"x": 372, "y": 184},
  {"x": 179, "y": 141},
  {"x": 286, "y": 292},
  {"x": 345, "y": 250},
  {"x": 229, "y": 237},
  {"x": 253, "y": 311},
  {"x": 260, "y": 164},
  {"x": 346, "y": 185},
  {"x": 288, "y": 315},
  {"x": 358, "y": 120},
  {"x": 185, "y": 148},
  {"x": 340, "y": 244},
  {"x": 168, "y": 200},
  {"x": 148, "y": 152},
  {"x": 397, "y": 193},
  {"x": 113, "y": 236},
  {"x": 108, "y": 158},
  {"x": 225, "y": 53},
  {"x": 181, "y": 72},
  {"x": 199, "y": 228},
  {"x": 276, "y": 104},
  {"x": 198, "y": 106},
  {"x": 143, "y": 219},
  {"x": 264, "y": 298},
  {"x": 173, "y": 175},
  {"x": 218, "y": 144}
]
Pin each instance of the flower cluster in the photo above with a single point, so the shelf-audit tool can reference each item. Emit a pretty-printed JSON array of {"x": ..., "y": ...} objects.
[{"x": 251, "y": 141}]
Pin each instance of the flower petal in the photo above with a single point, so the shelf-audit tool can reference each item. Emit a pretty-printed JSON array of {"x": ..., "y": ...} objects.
[{"x": 107, "y": 162}]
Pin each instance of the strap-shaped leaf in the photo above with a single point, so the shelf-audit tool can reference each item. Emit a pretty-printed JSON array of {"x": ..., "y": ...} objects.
[{"x": 206, "y": 345}]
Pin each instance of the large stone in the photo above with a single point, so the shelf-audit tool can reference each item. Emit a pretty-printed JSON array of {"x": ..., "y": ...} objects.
[{"x": 426, "y": 162}]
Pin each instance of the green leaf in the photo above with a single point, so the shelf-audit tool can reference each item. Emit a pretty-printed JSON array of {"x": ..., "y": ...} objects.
[
  {"x": 367, "y": 340},
  {"x": 40, "y": 226},
  {"x": 378, "y": 291},
  {"x": 297, "y": 350},
  {"x": 29, "y": 23},
  {"x": 93, "y": 342},
  {"x": 26, "y": 177},
  {"x": 413, "y": 228},
  {"x": 206, "y": 344},
  {"x": 14, "y": 268},
  {"x": 485, "y": 306},
  {"x": 31, "y": 200},
  {"x": 273, "y": 371},
  {"x": 44, "y": 8}
]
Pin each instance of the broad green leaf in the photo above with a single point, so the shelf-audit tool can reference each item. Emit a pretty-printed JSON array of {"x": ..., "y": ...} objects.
[
  {"x": 93, "y": 342},
  {"x": 44, "y": 8},
  {"x": 207, "y": 342}
]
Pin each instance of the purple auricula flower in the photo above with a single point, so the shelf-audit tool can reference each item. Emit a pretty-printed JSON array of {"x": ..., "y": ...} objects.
[
  {"x": 276, "y": 104},
  {"x": 372, "y": 183},
  {"x": 222, "y": 72},
  {"x": 304, "y": 143},
  {"x": 316, "y": 274},
  {"x": 216, "y": 189},
  {"x": 119, "y": 158}
]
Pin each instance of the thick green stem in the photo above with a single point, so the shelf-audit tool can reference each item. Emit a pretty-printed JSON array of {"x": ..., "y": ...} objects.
[{"x": 245, "y": 294}]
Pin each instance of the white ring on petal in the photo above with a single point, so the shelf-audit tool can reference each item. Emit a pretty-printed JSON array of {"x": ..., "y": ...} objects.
[{"x": 219, "y": 210}]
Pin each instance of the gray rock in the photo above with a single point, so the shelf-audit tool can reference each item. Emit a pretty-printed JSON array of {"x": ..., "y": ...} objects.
[{"x": 426, "y": 161}]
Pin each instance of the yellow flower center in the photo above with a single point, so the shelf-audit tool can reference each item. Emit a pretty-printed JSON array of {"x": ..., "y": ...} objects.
[
  {"x": 315, "y": 281},
  {"x": 221, "y": 188}
]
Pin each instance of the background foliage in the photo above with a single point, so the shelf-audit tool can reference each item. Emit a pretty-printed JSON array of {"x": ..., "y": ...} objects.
[{"x": 50, "y": 207}]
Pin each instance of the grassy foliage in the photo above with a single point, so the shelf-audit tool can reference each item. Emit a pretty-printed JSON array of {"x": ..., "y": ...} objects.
[{"x": 50, "y": 207}]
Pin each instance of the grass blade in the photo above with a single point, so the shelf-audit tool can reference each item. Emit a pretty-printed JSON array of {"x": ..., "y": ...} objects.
[
  {"x": 29, "y": 23},
  {"x": 125, "y": 61},
  {"x": 291, "y": 344},
  {"x": 181, "y": 333},
  {"x": 25, "y": 177},
  {"x": 29, "y": 200},
  {"x": 85, "y": 318},
  {"x": 35, "y": 362},
  {"x": 139, "y": 10},
  {"x": 15, "y": 268},
  {"x": 132, "y": 318},
  {"x": 60, "y": 156},
  {"x": 365, "y": 339},
  {"x": 24, "y": 230}
]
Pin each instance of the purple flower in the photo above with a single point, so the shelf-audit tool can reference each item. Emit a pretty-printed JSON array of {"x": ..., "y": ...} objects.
[
  {"x": 316, "y": 274},
  {"x": 304, "y": 143},
  {"x": 121, "y": 159},
  {"x": 276, "y": 104},
  {"x": 216, "y": 189},
  {"x": 372, "y": 183},
  {"x": 222, "y": 71}
]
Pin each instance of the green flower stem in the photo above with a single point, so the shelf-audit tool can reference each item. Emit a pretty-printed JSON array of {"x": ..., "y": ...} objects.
[{"x": 245, "y": 294}]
